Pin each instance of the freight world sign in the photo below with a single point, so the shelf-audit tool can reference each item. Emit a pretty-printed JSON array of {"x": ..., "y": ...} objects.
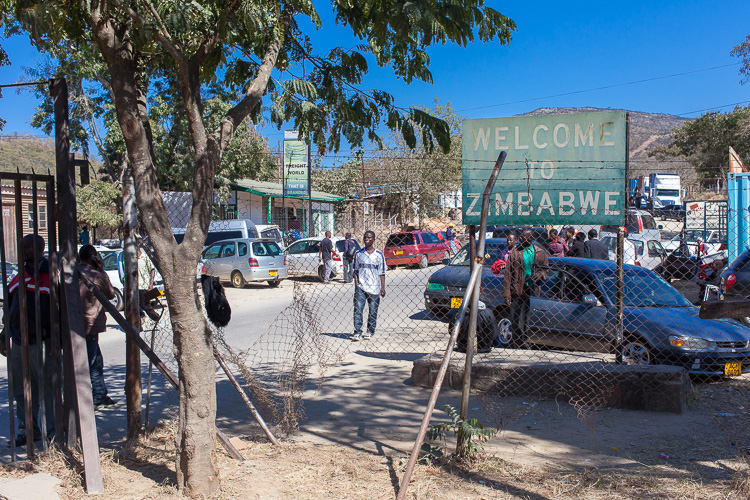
[
  {"x": 560, "y": 169},
  {"x": 296, "y": 166}
]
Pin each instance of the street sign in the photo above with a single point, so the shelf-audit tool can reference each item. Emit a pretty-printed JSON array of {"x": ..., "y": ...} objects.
[
  {"x": 296, "y": 166},
  {"x": 560, "y": 169}
]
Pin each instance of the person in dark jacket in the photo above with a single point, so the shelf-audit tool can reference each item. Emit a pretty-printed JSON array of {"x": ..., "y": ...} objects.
[
  {"x": 577, "y": 247},
  {"x": 94, "y": 320},
  {"x": 526, "y": 268},
  {"x": 570, "y": 235},
  {"x": 40, "y": 375},
  {"x": 557, "y": 246},
  {"x": 595, "y": 249}
]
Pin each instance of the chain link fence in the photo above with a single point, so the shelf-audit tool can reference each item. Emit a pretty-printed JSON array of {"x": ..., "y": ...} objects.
[{"x": 557, "y": 337}]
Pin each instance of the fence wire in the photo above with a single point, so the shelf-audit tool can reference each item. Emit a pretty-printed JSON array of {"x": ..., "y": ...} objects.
[{"x": 561, "y": 341}]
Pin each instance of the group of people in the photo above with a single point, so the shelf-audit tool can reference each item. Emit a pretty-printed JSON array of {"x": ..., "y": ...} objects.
[
  {"x": 36, "y": 278},
  {"x": 574, "y": 244},
  {"x": 366, "y": 268}
]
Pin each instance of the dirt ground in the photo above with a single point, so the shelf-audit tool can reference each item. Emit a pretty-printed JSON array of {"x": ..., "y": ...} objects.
[{"x": 356, "y": 439}]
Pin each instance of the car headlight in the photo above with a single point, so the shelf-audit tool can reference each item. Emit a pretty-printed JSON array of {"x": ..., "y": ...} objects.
[
  {"x": 692, "y": 343},
  {"x": 435, "y": 286}
]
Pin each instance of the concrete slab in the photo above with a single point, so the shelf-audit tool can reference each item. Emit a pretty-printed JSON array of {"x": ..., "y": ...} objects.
[
  {"x": 591, "y": 383},
  {"x": 34, "y": 487}
]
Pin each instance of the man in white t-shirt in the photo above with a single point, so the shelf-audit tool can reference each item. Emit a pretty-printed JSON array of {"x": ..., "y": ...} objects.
[{"x": 369, "y": 286}]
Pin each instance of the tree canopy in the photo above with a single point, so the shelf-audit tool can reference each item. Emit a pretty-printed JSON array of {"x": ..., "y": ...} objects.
[{"x": 258, "y": 58}]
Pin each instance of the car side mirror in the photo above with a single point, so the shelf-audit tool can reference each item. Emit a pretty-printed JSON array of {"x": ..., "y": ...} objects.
[
  {"x": 590, "y": 299},
  {"x": 446, "y": 262}
]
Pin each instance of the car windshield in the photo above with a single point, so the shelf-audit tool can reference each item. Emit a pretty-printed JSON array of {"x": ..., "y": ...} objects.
[
  {"x": 401, "y": 239},
  {"x": 668, "y": 192},
  {"x": 642, "y": 289},
  {"x": 690, "y": 235},
  {"x": 493, "y": 252}
]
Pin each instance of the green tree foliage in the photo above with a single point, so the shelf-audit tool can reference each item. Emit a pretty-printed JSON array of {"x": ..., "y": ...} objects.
[
  {"x": 705, "y": 141},
  {"x": 342, "y": 180},
  {"x": 743, "y": 52},
  {"x": 97, "y": 204},
  {"x": 256, "y": 56},
  {"x": 413, "y": 178}
]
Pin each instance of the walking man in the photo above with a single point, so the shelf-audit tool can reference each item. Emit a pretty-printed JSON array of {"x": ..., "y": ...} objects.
[
  {"x": 326, "y": 255},
  {"x": 41, "y": 376},
  {"x": 369, "y": 286},
  {"x": 94, "y": 320},
  {"x": 350, "y": 249},
  {"x": 526, "y": 268},
  {"x": 595, "y": 249}
]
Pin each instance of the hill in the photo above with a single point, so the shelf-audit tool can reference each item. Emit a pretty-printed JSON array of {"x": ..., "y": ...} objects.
[
  {"x": 647, "y": 130},
  {"x": 27, "y": 154}
]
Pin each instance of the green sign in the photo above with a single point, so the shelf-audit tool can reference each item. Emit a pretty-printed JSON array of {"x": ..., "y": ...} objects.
[
  {"x": 560, "y": 169},
  {"x": 296, "y": 166}
]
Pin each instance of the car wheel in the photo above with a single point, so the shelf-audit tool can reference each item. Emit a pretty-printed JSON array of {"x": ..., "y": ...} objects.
[
  {"x": 118, "y": 302},
  {"x": 423, "y": 262},
  {"x": 505, "y": 333},
  {"x": 634, "y": 351},
  {"x": 238, "y": 281},
  {"x": 321, "y": 273},
  {"x": 391, "y": 268},
  {"x": 274, "y": 283}
]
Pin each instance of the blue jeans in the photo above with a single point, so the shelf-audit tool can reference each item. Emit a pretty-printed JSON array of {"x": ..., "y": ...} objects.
[
  {"x": 348, "y": 271},
  {"x": 96, "y": 368},
  {"x": 373, "y": 301}
]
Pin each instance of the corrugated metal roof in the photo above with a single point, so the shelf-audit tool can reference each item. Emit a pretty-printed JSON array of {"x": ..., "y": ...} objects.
[{"x": 275, "y": 190}]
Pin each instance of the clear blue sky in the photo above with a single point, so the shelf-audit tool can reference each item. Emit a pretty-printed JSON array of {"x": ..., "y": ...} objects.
[{"x": 559, "y": 48}]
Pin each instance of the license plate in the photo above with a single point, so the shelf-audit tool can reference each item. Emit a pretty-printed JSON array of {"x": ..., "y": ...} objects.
[
  {"x": 272, "y": 273},
  {"x": 399, "y": 252},
  {"x": 456, "y": 302},
  {"x": 733, "y": 369}
]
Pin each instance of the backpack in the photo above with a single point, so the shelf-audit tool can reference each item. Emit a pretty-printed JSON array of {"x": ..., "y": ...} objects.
[
  {"x": 217, "y": 306},
  {"x": 350, "y": 251}
]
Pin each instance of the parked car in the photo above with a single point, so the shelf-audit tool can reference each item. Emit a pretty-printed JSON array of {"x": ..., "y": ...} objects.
[
  {"x": 246, "y": 259},
  {"x": 446, "y": 286},
  {"x": 109, "y": 261},
  {"x": 735, "y": 280},
  {"x": 674, "y": 212},
  {"x": 715, "y": 241},
  {"x": 420, "y": 248},
  {"x": 649, "y": 254},
  {"x": 302, "y": 257},
  {"x": 575, "y": 310},
  {"x": 640, "y": 223},
  {"x": 273, "y": 232}
]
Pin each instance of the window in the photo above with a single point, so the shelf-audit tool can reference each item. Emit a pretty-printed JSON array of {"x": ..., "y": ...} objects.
[
  {"x": 297, "y": 247},
  {"x": 227, "y": 250},
  {"x": 214, "y": 236},
  {"x": 401, "y": 239},
  {"x": 266, "y": 248},
  {"x": 550, "y": 287},
  {"x": 577, "y": 284},
  {"x": 42, "y": 216},
  {"x": 212, "y": 252},
  {"x": 340, "y": 245},
  {"x": 430, "y": 238},
  {"x": 241, "y": 249},
  {"x": 654, "y": 249},
  {"x": 270, "y": 233},
  {"x": 648, "y": 222}
]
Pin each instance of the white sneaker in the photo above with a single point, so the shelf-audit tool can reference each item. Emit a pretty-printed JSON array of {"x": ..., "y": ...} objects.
[
  {"x": 356, "y": 337},
  {"x": 366, "y": 336}
]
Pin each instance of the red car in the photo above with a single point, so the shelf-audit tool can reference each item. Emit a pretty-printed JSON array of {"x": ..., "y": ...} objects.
[{"x": 416, "y": 247}]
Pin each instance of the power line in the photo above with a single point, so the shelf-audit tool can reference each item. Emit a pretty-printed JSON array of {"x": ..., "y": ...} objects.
[{"x": 605, "y": 87}]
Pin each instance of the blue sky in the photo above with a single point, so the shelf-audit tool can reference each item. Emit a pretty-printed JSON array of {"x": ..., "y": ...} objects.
[{"x": 559, "y": 48}]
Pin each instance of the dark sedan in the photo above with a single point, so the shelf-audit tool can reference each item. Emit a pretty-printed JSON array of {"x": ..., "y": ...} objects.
[{"x": 574, "y": 309}]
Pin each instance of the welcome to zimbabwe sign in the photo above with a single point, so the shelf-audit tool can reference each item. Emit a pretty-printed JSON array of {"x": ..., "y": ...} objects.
[{"x": 560, "y": 169}]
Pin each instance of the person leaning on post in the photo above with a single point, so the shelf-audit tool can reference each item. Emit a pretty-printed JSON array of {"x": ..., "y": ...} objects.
[
  {"x": 34, "y": 278},
  {"x": 95, "y": 320}
]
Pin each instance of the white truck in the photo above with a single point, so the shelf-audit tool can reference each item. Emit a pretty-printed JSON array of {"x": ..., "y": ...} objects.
[{"x": 664, "y": 189}]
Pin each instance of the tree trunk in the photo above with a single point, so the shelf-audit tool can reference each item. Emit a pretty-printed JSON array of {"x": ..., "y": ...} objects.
[{"x": 196, "y": 459}]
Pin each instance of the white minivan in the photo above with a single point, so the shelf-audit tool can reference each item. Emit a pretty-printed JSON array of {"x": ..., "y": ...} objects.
[{"x": 223, "y": 230}]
